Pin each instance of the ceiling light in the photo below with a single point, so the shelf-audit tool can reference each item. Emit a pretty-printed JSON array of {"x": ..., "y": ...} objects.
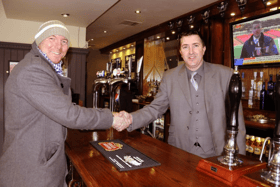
[
  {"x": 173, "y": 32},
  {"x": 273, "y": 9},
  {"x": 65, "y": 15},
  {"x": 191, "y": 26},
  {"x": 232, "y": 14},
  {"x": 167, "y": 38},
  {"x": 105, "y": 32},
  {"x": 158, "y": 37},
  {"x": 268, "y": 3},
  {"x": 137, "y": 11}
]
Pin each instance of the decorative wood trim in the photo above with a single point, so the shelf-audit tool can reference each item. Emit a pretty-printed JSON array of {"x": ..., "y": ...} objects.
[{"x": 9, "y": 45}]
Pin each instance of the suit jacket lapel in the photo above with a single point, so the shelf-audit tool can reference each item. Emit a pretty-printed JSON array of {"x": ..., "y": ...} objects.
[
  {"x": 209, "y": 84},
  {"x": 184, "y": 84}
]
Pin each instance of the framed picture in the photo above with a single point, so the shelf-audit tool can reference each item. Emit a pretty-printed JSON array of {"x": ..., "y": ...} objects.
[
  {"x": 12, "y": 64},
  {"x": 255, "y": 42}
]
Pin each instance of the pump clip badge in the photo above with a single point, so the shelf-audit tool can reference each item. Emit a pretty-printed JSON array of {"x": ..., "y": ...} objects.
[{"x": 110, "y": 146}]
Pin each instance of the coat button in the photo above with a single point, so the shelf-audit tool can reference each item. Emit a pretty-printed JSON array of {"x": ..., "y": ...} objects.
[{"x": 190, "y": 112}]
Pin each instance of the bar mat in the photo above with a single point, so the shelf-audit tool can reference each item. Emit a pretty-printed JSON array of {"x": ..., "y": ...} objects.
[{"x": 123, "y": 156}]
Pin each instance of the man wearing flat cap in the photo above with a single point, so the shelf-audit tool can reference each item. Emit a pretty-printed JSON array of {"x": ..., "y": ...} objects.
[{"x": 38, "y": 109}]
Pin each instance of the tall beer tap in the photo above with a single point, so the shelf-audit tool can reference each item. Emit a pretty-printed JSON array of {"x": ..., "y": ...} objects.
[{"x": 231, "y": 148}]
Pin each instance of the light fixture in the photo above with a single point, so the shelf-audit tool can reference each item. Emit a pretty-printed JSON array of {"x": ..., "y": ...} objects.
[
  {"x": 232, "y": 14},
  {"x": 137, "y": 11},
  {"x": 268, "y": 3},
  {"x": 158, "y": 37},
  {"x": 105, "y": 32},
  {"x": 167, "y": 38},
  {"x": 65, "y": 15},
  {"x": 123, "y": 48},
  {"x": 191, "y": 26},
  {"x": 173, "y": 32}
]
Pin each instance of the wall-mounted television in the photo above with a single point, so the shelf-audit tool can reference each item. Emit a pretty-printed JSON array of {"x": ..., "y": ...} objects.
[{"x": 256, "y": 41}]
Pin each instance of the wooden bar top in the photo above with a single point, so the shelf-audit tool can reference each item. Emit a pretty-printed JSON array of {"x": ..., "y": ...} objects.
[{"x": 178, "y": 168}]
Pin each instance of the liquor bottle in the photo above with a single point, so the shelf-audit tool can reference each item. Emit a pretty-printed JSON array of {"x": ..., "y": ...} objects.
[
  {"x": 243, "y": 85},
  {"x": 251, "y": 98},
  {"x": 251, "y": 146},
  {"x": 255, "y": 86},
  {"x": 259, "y": 85},
  {"x": 257, "y": 147},
  {"x": 270, "y": 94},
  {"x": 247, "y": 143},
  {"x": 263, "y": 98}
]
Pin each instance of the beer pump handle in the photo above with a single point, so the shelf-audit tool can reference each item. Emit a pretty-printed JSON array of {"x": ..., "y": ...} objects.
[
  {"x": 276, "y": 136},
  {"x": 235, "y": 91}
]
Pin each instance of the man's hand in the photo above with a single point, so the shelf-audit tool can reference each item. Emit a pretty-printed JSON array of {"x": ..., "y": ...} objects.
[{"x": 121, "y": 120}]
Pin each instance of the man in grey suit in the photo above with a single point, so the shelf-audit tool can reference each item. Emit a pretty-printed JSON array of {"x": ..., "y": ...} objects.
[
  {"x": 38, "y": 108},
  {"x": 197, "y": 95}
]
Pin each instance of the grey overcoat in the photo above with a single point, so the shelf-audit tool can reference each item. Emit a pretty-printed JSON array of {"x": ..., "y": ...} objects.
[
  {"x": 174, "y": 92},
  {"x": 38, "y": 108}
]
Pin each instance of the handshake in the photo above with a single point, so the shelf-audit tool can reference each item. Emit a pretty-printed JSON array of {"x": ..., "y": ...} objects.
[{"x": 121, "y": 120}]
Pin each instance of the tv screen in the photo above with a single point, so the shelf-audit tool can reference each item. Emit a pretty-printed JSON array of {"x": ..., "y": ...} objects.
[{"x": 256, "y": 41}]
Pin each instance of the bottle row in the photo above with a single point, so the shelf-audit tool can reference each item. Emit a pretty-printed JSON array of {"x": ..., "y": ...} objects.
[
  {"x": 260, "y": 92},
  {"x": 254, "y": 147}
]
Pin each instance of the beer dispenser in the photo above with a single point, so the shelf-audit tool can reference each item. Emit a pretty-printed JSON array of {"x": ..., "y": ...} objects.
[
  {"x": 229, "y": 167},
  {"x": 111, "y": 79},
  {"x": 231, "y": 148}
]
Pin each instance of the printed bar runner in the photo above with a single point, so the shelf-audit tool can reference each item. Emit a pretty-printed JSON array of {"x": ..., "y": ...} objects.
[{"x": 123, "y": 156}]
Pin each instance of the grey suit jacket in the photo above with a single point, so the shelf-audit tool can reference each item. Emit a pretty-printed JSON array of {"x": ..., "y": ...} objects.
[
  {"x": 174, "y": 93},
  {"x": 38, "y": 108}
]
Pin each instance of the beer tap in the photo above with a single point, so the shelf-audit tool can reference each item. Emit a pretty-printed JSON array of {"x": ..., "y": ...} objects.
[
  {"x": 231, "y": 148},
  {"x": 272, "y": 173}
]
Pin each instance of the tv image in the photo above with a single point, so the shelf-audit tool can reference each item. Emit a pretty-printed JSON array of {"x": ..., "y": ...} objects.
[{"x": 256, "y": 41}]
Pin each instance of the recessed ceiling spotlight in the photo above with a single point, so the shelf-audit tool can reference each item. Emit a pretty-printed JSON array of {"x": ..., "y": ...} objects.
[
  {"x": 268, "y": 3},
  {"x": 173, "y": 32},
  {"x": 158, "y": 37},
  {"x": 105, "y": 32},
  {"x": 191, "y": 26},
  {"x": 232, "y": 14},
  {"x": 167, "y": 38},
  {"x": 65, "y": 15},
  {"x": 137, "y": 11}
]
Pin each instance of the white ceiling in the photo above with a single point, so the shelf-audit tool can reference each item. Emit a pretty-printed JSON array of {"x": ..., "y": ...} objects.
[{"x": 100, "y": 15}]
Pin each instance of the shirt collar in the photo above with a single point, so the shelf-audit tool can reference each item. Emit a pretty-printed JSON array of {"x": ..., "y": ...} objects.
[
  {"x": 57, "y": 67},
  {"x": 199, "y": 71}
]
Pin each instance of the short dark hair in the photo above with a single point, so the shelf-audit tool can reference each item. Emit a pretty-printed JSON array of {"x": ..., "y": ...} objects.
[
  {"x": 257, "y": 22},
  {"x": 189, "y": 33}
]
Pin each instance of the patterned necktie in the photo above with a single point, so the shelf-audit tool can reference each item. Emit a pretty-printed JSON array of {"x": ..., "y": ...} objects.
[{"x": 194, "y": 83}]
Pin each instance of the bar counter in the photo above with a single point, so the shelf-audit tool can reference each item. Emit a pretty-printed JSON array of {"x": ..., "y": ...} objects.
[{"x": 178, "y": 168}]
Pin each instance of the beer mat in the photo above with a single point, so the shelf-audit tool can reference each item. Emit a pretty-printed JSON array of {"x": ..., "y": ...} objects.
[{"x": 123, "y": 156}]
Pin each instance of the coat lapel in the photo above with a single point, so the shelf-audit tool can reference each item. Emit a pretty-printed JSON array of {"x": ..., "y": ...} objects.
[
  {"x": 184, "y": 84},
  {"x": 209, "y": 85}
]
